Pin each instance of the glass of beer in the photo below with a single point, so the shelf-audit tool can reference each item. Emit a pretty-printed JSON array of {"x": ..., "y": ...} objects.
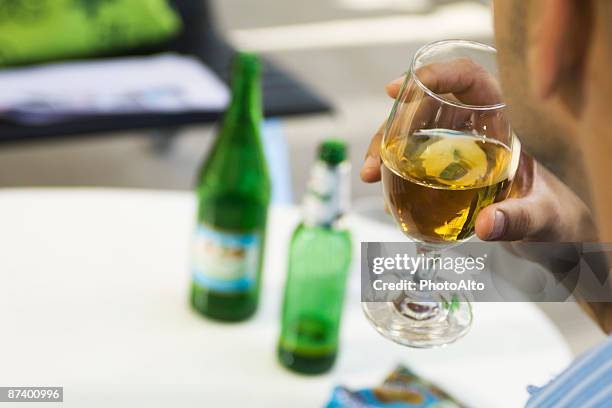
[{"x": 448, "y": 151}]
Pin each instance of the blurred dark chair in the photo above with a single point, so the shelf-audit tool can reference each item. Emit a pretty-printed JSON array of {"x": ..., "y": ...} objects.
[{"x": 282, "y": 94}]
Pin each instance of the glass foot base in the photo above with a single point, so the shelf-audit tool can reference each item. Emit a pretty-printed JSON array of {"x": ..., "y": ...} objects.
[{"x": 420, "y": 324}]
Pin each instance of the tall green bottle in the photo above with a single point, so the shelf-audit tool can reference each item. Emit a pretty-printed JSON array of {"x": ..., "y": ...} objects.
[
  {"x": 319, "y": 259},
  {"x": 234, "y": 192}
]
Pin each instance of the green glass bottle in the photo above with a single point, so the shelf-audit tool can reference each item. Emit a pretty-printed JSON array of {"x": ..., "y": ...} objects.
[
  {"x": 319, "y": 259},
  {"x": 233, "y": 194}
]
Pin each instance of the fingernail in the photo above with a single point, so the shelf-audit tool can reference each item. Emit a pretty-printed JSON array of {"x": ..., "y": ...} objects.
[
  {"x": 499, "y": 225},
  {"x": 370, "y": 163}
]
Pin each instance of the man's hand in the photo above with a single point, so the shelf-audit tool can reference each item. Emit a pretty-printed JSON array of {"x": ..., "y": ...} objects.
[{"x": 540, "y": 206}]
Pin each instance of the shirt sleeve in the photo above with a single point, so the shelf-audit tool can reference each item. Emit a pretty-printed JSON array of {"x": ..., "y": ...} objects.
[{"x": 586, "y": 383}]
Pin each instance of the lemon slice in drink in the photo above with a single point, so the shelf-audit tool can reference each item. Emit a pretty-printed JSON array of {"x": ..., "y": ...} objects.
[{"x": 455, "y": 160}]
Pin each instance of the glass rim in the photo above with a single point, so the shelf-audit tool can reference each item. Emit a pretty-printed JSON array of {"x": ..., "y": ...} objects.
[{"x": 438, "y": 97}]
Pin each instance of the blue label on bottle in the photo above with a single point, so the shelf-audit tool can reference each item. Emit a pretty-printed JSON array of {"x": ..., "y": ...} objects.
[{"x": 225, "y": 262}]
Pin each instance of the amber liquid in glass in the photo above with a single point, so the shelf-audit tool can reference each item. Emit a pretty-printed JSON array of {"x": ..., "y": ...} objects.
[{"x": 437, "y": 181}]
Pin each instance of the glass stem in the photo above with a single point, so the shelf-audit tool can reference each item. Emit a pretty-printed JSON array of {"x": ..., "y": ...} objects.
[
  {"x": 428, "y": 269},
  {"x": 421, "y": 305}
]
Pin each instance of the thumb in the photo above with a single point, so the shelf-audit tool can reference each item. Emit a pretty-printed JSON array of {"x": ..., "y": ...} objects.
[{"x": 515, "y": 219}]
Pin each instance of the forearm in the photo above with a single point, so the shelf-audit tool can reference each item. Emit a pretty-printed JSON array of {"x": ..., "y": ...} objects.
[{"x": 597, "y": 150}]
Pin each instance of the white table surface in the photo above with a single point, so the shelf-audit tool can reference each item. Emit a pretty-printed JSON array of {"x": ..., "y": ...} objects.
[{"x": 94, "y": 298}]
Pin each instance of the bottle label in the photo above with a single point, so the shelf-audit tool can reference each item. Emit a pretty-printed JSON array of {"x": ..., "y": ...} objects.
[
  {"x": 328, "y": 195},
  {"x": 225, "y": 262}
]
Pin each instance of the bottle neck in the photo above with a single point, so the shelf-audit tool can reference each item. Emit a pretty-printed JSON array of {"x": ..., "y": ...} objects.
[
  {"x": 328, "y": 195},
  {"x": 245, "y": 105}
]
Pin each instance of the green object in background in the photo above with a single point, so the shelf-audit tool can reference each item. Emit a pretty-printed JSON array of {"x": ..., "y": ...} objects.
[
  {"x": 319, "y": 259},
  {"x": 33, "y": 31},
  {"x": 234, "y": 192}
]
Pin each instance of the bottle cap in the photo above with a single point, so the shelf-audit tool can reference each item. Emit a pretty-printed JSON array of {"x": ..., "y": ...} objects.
[{"x": 332, "y": 151}]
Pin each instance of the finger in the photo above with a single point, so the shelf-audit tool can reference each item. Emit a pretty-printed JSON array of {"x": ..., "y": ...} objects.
[
  {"x": 370, "y": 171},
  {"x": 486, "y": 227},
  {"x": 459, "y": 80},
  {"x": 420, "y": 111},
  {"x": 393, "y": 87},
  {"x": 516, "y": 219},
  {"x": 468, "y": 81}
]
